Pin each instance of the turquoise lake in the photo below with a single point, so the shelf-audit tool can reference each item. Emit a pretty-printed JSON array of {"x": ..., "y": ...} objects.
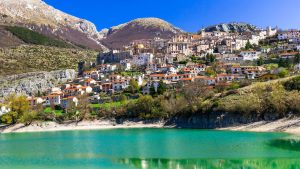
[{"x": 149, "y": 149}]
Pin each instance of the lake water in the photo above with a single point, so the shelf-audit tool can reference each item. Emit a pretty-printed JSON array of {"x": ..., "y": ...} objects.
[{"x": 149, "y": 149}]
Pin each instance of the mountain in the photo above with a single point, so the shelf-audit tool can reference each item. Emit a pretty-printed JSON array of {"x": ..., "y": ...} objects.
[
  {"x": 142, "y": 28},
  {"x": 231, "y": 27},
  {"x": 40, "y": 17}
]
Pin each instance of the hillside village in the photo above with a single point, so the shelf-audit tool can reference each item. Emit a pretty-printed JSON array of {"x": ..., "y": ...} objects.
[
  {"x": 143, "y": 57},
  {"x": 219, "y": 60}
]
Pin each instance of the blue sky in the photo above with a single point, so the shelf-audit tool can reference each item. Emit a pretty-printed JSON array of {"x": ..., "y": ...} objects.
[{"x": 189, "y": 15}]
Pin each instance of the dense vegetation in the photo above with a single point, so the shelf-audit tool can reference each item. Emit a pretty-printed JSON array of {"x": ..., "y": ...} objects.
[
  {"x": 36, "y": 38},
  {"x": 267, "y": 100},
  {"x": 23, "y": 59}
]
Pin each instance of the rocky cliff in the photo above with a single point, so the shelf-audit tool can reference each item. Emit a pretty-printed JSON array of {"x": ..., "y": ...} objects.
[
  {"x": 231, "y": 27},
  {"x": 31, "y": 83},
  {"x": 143, "y": 28},
  {"x": 38, "y": 16}
]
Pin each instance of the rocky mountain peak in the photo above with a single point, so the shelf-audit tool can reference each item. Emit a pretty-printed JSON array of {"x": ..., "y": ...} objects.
[
  {"x": 149, "y": 23},
  {"x": 231, "y": 27},
  {"x": 142, "y": 28},
  {"x": 37, "y": 15}
]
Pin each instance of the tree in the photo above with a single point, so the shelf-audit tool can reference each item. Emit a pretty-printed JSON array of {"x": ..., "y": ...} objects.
[
  {"x": 83, "y": 108},
  {"x": 28, "y": 117},
  {"x": 283, "y": 73},
  {"x": 123, "y": 99},
  {"x": 260, "y": 61},
  {"x": 194, "y": 93},
  {"x": 152, "y": 90},
  {"x": 283, "y": 63},
  {"x": 210, "y": 58},
  {"x": 293, "y": 84},
  {"x": 18, "y": 106},
  {"x": 161, "y": 88},
  {"x": 248, "y": 45},
  {"x": 71, "y": 111},
  {"x": 234, "y": 86},
  {"x": 297, "y": 58},
  {"x": 143, "y": 107},
  {"x": 133, "y": 86},
  {"x": 210, "y": 72}
]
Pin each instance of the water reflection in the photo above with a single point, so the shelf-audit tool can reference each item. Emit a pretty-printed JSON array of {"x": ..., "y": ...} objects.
[
  {"x": 211, "y": 163},
  {"x": 292, "y": 144}
]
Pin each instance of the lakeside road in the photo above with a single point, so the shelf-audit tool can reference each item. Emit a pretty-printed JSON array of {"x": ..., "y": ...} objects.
[{"x": 288, "y": 125}]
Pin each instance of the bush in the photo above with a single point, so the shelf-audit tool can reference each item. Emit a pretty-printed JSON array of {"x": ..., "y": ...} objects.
[
  {"x": 9, "y": 118},
  {"x": 275, "y": 100},
  {"x": 293, "y": 84},
  {"x": 240, "y": 104},
  {"x": 28, "y": 117},
  {"x": 283, "y": 73}
]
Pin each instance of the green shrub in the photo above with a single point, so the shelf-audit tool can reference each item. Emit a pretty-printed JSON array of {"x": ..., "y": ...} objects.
[
  {"x": 240, "y": 104},
  {"x": 293, "y": 84}
]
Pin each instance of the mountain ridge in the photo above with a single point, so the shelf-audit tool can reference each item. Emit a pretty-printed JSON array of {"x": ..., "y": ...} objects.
[
  {"x": 231, "y": 27},
  {"x": 140, "y": 28},
  {"x": 41, "y": 17}
]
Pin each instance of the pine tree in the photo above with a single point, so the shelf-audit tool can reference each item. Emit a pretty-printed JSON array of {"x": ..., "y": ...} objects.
[
  {"x": 152, "y": 90},
  {"x": 161, "y": 88},
  {"x": 297, "y": 58},
  {"x": 281, "y": 63},
  {"x": 260, "y": 61},
  {"x": 248, "y": 45}
]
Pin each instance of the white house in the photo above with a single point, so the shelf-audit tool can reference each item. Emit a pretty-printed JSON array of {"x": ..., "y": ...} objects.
[
  {"x": 126, "y": 64},
  {"x": 65, "y": 102},
  {"x": 52, "y": 99},
  {"x": 271, "y": 32},
  {"x": 33, "y": 101},
  {"x": 103, "y": 68},
  {"x": 288, "y": 55},
  {"x": 146, "y": 89},
  {"x": 250, "y": 55},
  {"x": 4, "y": 110},
  {"x": 119, "y": 85},
  {"x": 180, "y": 44},
  {"x": 207, "y": 80},
  {"x": 140, "y": 80},
  {"x": 143, "y": 59},
  {"x": 292, "y": 34},
  {"x": 197, "y": 68}
]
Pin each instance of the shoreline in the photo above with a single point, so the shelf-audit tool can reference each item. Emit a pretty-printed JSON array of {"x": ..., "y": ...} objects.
[
  {"x": 84, "y": 125},
  {"x": 286, "y": 125}
]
